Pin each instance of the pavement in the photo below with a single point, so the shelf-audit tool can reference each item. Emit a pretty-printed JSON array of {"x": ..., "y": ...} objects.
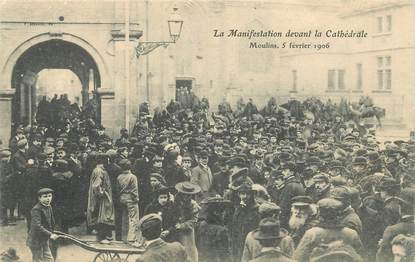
[{"x": 15, "y": 237}]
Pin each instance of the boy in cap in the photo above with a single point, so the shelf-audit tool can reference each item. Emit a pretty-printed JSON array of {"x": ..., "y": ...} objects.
[
  {"x": 41, "y": 227},
  {"x": 157, "y": 250}
]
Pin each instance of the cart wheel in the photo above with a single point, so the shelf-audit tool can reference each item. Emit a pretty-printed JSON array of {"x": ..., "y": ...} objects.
[{"x": 107, "y": 257}]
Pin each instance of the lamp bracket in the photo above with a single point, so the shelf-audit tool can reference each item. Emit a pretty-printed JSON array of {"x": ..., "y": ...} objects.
[{"x": 144, "y": 48}]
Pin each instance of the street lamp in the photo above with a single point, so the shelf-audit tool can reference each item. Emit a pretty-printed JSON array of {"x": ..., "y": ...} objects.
[{"x": 175, "y": 24}]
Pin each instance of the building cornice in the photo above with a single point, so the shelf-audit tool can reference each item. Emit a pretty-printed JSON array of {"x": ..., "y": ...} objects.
[{"x": 374, "y": 8}]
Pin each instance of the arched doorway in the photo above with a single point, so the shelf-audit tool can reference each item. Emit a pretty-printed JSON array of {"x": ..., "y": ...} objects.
[{"x": 50, "y": 54}]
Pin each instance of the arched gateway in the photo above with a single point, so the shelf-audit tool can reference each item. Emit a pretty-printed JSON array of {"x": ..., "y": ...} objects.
[{"x": 46, "y": 51}]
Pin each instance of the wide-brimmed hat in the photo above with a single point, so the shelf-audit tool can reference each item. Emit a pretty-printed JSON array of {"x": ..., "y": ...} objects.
[
  {"x": 269, "y": 228},
  {"x": 187, "y": 188}
]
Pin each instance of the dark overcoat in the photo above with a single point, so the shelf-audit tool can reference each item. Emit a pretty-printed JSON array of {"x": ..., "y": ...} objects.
[
  {"x": 245, "y": 219},
  {"x": 213, "y": 243},
  {"x": 41, "y": 226}
]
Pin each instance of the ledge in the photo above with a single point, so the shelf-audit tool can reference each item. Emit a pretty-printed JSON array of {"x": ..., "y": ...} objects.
[
  {"x": 105, "y": 93},
  {"x": 382, "y": 91},
  {"x": 6, "y": 94},
  {"x": 119, "y": 34},
  {"x": 337, "y": 91},
  {"x": 382, "y": 34}
]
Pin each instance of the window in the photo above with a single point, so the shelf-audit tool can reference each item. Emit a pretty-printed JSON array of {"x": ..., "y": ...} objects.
[
  {"x": 331, "y": 76},
  {"x": 294, "y": 74},
  {"x": 384, "y": 24},
  {"x": 336, "y": 79},
  {"x": 384, "y": 72},
  {"x": 359, "y": 77},
  {"x": 340, "y": 79},
  {"x": 389, "y": 23},
  {"x": 380, "y": 24}
]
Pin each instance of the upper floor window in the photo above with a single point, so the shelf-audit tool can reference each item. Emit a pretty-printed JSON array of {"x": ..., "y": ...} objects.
[
  {"x": 384, "y": 72},
  {"x": 384, "y": 24},
  {"x": 336, "y": 79}
]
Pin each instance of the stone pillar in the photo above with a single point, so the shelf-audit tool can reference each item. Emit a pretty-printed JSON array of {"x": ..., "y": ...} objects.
[
  {"x": 6, "y": 114},
  {"x": 108, "y": 115},
  {"x": 120, "y": 47}
]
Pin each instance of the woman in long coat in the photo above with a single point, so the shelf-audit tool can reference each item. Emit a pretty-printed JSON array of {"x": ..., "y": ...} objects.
[{"x": 100, "y": 213}]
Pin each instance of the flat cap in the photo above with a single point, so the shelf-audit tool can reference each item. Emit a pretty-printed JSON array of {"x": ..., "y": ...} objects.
[
  {"x": 268, "y": 207},
  {"x": 340, "y": 193},
  {"x": 49, "y": 150},
  {"x": 150, "y": 221},
  {"x": 301, "y": 201},
  {"x": 321, "y": 177},
  {"x": 44, "y": 190},
  {"x": 359, "y": 160},
  {"x": 61, "y": 162},
  {"x": 22, "y": 143},
  {"x": 125, "y": 164}
]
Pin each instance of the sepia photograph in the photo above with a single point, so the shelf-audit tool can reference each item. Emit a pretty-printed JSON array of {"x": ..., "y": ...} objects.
[{"x": 207, "y": 130}]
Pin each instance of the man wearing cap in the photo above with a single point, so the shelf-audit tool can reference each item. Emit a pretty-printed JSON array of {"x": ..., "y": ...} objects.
[
  {"x": 41, "y": 227},
  {"x": 13, "y": 141},
  {"x": 256, "y": 169},
  {"x": 371, "y": 231},
  {"x": 157, "y": 250},
  {"x": 213, "y": 236},
  {"x": 269, "y": 237},
  {"x": 123, "y": 140},
  {"x": 245, "y": 219},
  {"x": 35, "y": 147},
  {"x": 303, "y": 217},
  {"x": 322, "y": 187},
  {"x": 19, "y": 161},
  {"x": 389, "y": 189},
  {"x": 405, "y": 226},
  {"x": 292, "y": 187},
  {"x": 221, "y": 181},
  {"x": 359, "y": 170},
  {"x": 7, "y": 199},
  {"x": 172, "y": 171},
  {"x": 253, "y": 247},
  {"x": 329, "y": 230},
  {"x": 64, "y": 194},
  {"x": 202, "y": 176},
  {"x": 349, "y": 217}
]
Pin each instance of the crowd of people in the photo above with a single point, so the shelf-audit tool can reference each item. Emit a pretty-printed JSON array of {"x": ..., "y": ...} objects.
[{"x": 301, "y": 181}]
